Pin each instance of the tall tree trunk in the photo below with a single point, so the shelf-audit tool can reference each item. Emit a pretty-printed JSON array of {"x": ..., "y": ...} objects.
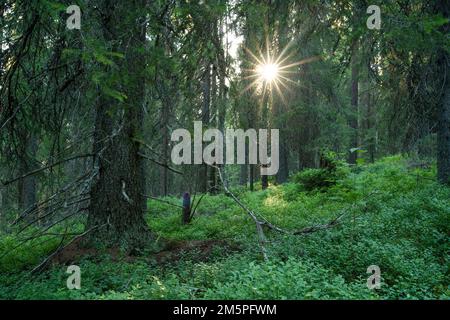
[
  {"x": 205, "y": 120},
  {"x": 443, "y": 157},
  {"x": 308, "y": 130},
  {"x": 164, "y": 174},
  {"x": 117, "y": 205},
  {"x": 2, "y": 214},
  {"x": 243, "y": 175},
  {"x": 222, "y": 113},
  {"x": 370, "y": 114},
  {"x": 252, "y": 177},
  {"x": 222, "y": 64},
  {"x": 371, "y": 127},
  {"x": 443, "y": 152},
  {"x": 167, "y": 91},
  {"x": 354, "y": 103},
  {"x": 213, "y": 119},
  {"x": 280, "y": 108},
  {"x": 27, "y": 163}
]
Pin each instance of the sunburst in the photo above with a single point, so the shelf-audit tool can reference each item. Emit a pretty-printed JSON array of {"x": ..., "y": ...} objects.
[{"x": 270, "y": 71}]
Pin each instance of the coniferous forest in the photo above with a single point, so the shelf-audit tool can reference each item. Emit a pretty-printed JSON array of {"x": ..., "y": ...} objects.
[{"x": 224, "y": 150}]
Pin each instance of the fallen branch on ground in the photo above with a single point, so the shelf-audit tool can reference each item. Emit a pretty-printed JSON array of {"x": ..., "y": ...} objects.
[
  {"x": 61, "y": 247},
  {"x": 261, "y": 221}
]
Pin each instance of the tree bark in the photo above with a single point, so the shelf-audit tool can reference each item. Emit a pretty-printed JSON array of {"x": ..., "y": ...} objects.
[
  {"x": 443, "y": 146},
  {"x": 205, "y": 120},
  {"x": 280, "y": 107},
  {"x": 166, "y": 106},
  {"x": 243, "y": 175},
  {"x": 27, "y": 163},
  {"x": 117, "y": 196},
  {"x": 252, "y": 177},
  {"x": 354, "y": 103}
]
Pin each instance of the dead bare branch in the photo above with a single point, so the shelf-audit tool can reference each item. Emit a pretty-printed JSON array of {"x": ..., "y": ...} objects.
[
  {"x": 161, "y": 164},
  {"x": 42, "y": 265},
  {"x": 5, "y": 183}
]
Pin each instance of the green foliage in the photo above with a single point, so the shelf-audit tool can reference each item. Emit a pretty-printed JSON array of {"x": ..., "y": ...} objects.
[
  {"x": 15, "y": 255},
  {"x": 312, "y": 179},
  {"x": 321, "y": 179},
  {"x": 292, "y": 279},
  {"x": 397, "y": 218}
]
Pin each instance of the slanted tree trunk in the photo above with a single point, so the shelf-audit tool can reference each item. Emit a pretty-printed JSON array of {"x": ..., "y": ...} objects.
[
  {"x": 116, "y": 215},
  {"x": 443, "y": 146}
]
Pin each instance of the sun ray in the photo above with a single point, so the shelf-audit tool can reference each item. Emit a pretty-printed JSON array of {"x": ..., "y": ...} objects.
[
  {"x": 254, "y": 56},
  {"x": 251, "y": 76},
  {"x": 253, "y": 84},
  {"x": 280, "y": 56},
  {"x": 277, "y": 88},
  {"x": 299, "y": 63},
  {"x": 272, "y": 74},
  {"x": 288, "y": 80}
]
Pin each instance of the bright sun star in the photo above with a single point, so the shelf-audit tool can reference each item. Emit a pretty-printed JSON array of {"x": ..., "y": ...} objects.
[
  {"x": 268, "y": 72},
  {"x": 272, "y": 72}
]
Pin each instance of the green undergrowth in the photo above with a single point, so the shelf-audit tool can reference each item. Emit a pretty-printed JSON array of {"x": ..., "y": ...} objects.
[{"x": 394, "y": 217}]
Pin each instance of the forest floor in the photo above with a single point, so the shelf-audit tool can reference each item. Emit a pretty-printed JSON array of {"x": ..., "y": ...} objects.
[{"x": 396, "y": 217}]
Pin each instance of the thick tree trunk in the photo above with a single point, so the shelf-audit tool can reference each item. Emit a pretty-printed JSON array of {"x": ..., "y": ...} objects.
[
  {"x": 443, "y": 152},
  {"x": 117, "y": 205}
]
